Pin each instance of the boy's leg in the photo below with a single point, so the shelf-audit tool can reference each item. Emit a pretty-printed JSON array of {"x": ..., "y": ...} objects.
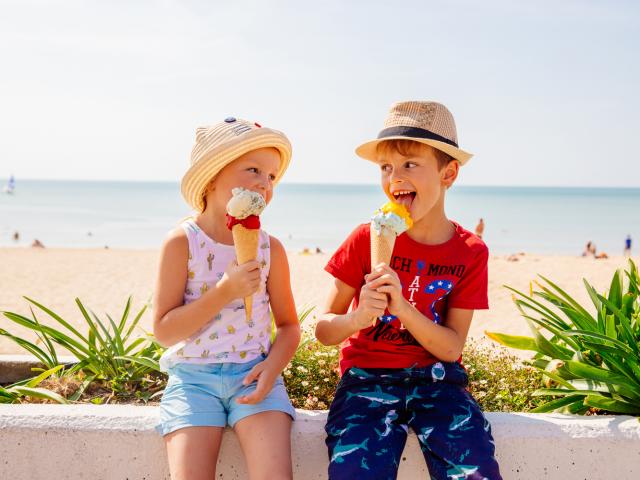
[
  {"x": 454, "y": 435},
  {"x": 193, "y": 452},
  {"x": 366, "y": 429},
  {"x": 265, "y": 439}
]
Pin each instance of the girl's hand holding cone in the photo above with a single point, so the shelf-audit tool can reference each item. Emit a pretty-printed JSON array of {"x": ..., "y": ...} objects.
[{"x": 240, "y": 281}]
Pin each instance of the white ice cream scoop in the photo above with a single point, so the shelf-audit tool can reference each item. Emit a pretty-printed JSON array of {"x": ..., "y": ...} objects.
[{"x": 244, "y": 203}]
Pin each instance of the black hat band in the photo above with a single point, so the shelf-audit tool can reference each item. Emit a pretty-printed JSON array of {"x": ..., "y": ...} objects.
[{"x": 414, "y": 132}]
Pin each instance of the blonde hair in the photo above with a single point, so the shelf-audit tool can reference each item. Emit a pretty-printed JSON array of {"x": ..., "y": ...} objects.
[{"x": 411, "y": 147}]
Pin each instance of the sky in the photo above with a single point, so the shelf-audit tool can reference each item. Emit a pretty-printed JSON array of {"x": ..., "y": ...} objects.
[{"x": 544, "y": 93}]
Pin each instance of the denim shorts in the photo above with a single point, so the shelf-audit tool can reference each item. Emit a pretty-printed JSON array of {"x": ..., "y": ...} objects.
[{"x": 205, "y": 395}]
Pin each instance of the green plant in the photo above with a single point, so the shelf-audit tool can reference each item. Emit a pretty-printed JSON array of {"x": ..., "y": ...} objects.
[
  {"x": 311, "y": 376},
  {"x": 107, "y": 353},
  {"x": 499, "y": 381},
  {"x": 303, "y": 314},
  {"x": 591, "y": 362},
  {"x": 18, "y": 391}
]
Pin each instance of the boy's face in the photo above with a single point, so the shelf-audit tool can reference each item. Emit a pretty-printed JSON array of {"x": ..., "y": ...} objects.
[{"x": 415, "y": 181}]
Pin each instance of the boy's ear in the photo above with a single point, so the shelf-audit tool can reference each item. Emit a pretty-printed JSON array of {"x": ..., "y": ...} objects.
[{"x": 450, "y": 173}]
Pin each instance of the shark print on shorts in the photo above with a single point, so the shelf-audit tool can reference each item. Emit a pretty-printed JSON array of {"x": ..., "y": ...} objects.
[{"x": 374, "y": 409}]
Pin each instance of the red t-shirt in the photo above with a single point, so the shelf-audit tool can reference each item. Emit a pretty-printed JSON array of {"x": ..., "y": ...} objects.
[{"x": 434, "y": 278}]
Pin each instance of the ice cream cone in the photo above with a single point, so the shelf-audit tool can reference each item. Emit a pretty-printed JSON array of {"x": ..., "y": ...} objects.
[
  {"x": 382, "y": 246},
  {"x": 389, "y": 221},
  {"x": 381, "y": 249},
  {"x": 245, "y": 241}
]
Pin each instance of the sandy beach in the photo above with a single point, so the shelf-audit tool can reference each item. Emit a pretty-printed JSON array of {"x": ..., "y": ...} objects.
[{"x": 103, "y": 279}]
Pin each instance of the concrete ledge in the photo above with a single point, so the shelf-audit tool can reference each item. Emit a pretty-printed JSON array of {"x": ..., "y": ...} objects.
[
  {"x": 119, "y": 442},
  {"x": 14, "y": 368}
]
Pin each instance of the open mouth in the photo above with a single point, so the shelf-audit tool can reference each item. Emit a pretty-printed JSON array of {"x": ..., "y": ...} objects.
[{"x": 404, "y": 197}]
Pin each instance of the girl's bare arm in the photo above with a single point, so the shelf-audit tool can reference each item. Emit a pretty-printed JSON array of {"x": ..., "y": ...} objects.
[
  {"x": 283, "y": 308},
  {"x": 287, "y": 325},
  {"x": 174, "y": 321}
]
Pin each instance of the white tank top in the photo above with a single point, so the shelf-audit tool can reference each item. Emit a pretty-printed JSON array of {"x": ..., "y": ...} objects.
[{"x": 228, "y": 336}]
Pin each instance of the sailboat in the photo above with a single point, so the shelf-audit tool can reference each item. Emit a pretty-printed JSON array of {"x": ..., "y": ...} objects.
[{"x": 10, "y": 186}]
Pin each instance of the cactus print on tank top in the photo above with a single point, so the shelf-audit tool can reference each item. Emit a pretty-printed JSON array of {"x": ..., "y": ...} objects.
[{"x": 228, "y": 336}]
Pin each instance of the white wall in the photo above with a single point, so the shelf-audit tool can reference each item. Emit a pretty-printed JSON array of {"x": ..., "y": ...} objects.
[{"x": 47, "y": 442}]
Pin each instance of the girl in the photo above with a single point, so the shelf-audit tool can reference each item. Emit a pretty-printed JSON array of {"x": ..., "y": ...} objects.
[{"x": 222, "y": 368}]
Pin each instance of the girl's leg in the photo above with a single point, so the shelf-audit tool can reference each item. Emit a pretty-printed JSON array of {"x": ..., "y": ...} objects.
[
  {"x": 265, "y": 439},
  {"x": 193, "y": 452}
]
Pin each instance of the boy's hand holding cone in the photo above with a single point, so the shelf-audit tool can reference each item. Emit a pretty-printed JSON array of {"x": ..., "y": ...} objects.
[
  {"x": 243, "y": 219},
  {"x": 387, "y": 223}
]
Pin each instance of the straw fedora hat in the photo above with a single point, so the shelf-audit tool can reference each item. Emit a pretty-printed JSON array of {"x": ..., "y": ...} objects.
[
  {"x": 218, "y": 145},
  {"x": 430, "y": 123}
]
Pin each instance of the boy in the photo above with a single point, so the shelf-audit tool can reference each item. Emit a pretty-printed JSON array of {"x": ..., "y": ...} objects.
[{"x": 404, "y": 369}]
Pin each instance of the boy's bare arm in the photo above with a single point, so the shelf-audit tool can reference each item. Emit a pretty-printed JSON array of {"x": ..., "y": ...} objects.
[
  {"x": 335, "y": 324},
  {"x": 443, "y": 342}
]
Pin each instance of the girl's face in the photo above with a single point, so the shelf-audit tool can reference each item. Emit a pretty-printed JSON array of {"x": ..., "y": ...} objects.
[
  {"x": 415, "y": 181},
  {"x": 255, "y": 170}
]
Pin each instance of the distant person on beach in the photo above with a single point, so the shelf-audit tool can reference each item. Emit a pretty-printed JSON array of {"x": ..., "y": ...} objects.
[
  {"x": 627, "y": 246},
  {"x": 16, "y": 236},
  {"x": 400, "y": 343},
  {"x": 480, "y": 228},
  {"x": 223, "y": 369},
  {"x": 37, "y": 244},
  {"x": 591, "y": 251}
]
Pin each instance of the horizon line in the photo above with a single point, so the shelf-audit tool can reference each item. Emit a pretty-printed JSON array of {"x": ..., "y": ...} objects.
[{"x": 75, "y": 180}]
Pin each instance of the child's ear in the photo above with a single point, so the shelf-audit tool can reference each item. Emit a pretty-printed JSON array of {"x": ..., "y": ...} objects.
[{"x": 450, "y": 173}]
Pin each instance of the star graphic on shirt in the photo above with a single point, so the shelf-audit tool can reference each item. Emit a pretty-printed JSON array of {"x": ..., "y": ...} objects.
[
  {"x": 430, "y": 287},
  {"x": 439, "y": 284},
  {"x": 449, "y": 286}
]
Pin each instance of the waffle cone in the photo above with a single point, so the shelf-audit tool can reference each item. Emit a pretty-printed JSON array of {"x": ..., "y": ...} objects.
[
  {"x": 381, "y": 249},
  {"x": 382, "y": 246},
  {"x": 245, "y": 241}
]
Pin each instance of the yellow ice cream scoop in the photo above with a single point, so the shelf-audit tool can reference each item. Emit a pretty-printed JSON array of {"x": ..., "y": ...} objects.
[
  {"x": 392, "y": 216},
  {"x": 400, "y": 210}
]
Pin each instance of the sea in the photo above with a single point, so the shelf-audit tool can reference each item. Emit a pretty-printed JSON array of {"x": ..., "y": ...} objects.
[{"x": 138, "y": 215}]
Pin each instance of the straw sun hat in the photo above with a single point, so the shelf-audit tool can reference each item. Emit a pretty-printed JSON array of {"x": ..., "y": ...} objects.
[
  {"x": 430, "y": 123},
  {"x": 218, "y": 145}
]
